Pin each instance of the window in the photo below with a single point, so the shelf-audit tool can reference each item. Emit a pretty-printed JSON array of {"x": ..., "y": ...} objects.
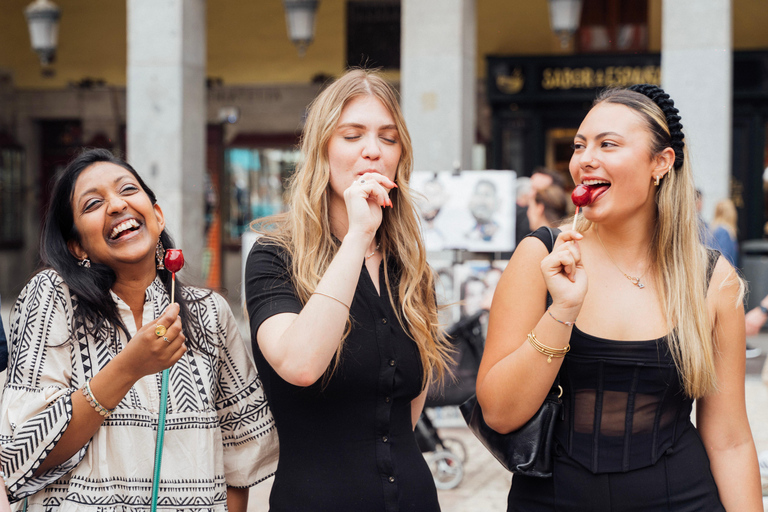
[
  {"x": 613, "y": 26},
  {"x": 373, "y": 33},
  {"x": 256, "y": 182},
  {"x": 11, "y": 173}
]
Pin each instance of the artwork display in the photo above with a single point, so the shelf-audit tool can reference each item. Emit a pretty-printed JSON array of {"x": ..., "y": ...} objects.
[{"x": 473, "y": 210}]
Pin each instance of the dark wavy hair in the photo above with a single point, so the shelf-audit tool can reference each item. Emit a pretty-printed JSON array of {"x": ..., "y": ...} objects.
[{"x": 91, "y": 286}]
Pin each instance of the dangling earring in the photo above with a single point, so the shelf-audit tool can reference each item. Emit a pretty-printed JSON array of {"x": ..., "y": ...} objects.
[
  {"x": 85, "y": 263},
  {"x": 159, "y": 255},
  {"x": 658, "y": 180}
]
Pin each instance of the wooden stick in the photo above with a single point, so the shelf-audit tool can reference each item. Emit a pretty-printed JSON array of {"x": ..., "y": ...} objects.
[
  {"x": 173, "y": 286},
  {"x": 573, "y": 228}
]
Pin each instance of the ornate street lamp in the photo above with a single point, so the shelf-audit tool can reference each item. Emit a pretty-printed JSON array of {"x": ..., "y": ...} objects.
[
  {"x": 43, "y": 20},
  {"x": 564, "y": 15},
  {"x": 300, "y": 18}
]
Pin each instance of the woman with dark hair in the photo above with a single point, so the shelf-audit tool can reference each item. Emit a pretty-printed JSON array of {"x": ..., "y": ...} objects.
[
  {"x": 643, "y": 321},
  {"x": 90, "y": 334}
]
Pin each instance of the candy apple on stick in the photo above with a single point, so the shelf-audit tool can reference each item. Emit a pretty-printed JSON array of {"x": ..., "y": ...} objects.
[
  {"x": 173, "y": 261},
  {"x": 580, "y": 197}
]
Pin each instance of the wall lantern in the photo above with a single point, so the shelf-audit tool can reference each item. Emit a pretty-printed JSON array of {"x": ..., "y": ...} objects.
[
  {"x": 43, "y": 20},
  {"x": 300, "y": 19},
  {"x": 564, "y": 15}
]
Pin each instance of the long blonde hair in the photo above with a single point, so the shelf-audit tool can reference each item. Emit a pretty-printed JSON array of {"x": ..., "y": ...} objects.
[
  {"x": 305, "y": 232},
  {"x": 678, "y": 255}
]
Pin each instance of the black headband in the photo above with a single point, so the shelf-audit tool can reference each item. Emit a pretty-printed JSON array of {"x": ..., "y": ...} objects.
[{"x": 667, "y": 106}]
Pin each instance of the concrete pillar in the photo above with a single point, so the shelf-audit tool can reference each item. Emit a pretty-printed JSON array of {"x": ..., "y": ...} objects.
[
  {"x": 696, "y": 70},
  {"x": 438, "y": 76},
  {"x": 166, "y": 114}
]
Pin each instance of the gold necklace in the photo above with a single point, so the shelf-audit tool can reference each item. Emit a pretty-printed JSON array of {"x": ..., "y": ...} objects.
[
  {"x": 634, "y": 280},
  {"x": 374, "y": 251}
]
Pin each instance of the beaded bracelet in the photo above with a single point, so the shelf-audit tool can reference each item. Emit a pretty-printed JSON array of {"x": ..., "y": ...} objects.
[
  {"x": 547, "y": 351},
  {"x": 88, "y": 394},
  {"x": 569, "y": 324}
]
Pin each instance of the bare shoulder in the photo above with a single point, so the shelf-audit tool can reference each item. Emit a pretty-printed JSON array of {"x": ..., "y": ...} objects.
[{"x": 726, "y": 287}]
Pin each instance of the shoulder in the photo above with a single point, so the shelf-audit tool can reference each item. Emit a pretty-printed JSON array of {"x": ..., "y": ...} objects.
[
  {"x": 45, "y": 282},
  {"x": 267, "y": 251},
  {"x": 726, "y": 287}
]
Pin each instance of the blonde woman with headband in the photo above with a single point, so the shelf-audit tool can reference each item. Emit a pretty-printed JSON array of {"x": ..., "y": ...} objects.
[
  {"x": 644, "y": 320},
  {"x": 343, "y": 312}
]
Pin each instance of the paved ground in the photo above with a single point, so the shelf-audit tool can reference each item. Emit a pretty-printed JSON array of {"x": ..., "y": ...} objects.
[{"x": 485, "y": 483}]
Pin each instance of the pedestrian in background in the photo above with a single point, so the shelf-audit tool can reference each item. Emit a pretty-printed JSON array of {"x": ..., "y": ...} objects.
[
  {"x": 90, "y": 334},
  {"x": 548, "y": 207},
  {"x": 644, "y": 321},
  {"x": 724, "y": 231},
  {"x": 3, "y": 345},
  {"x": 343, "y": 312}
]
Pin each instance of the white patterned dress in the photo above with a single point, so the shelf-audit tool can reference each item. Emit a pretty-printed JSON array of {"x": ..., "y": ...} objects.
[{"x": 219, "y": 428}]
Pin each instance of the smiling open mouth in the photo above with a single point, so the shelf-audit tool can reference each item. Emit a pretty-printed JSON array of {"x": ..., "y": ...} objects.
[
  {"x": 123, "y": 228},
  {"x": 596, "y": 187}
]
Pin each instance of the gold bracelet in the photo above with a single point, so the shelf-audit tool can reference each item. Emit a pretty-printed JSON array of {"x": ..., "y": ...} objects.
[
  {"x": 88, "y": 394},
  {"x": 547, "y": 351},
  {"x": 331, "y": 297}
]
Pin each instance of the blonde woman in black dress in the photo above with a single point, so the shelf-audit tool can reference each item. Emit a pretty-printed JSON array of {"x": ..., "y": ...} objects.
[
  {"x": 343, "y": 313},
  {"x": 653, "y": 320}
]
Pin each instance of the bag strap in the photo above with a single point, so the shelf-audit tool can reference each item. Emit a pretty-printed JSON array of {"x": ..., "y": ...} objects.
[
  {"x": 553, "y": 234},
  {"x": 160, "y": 437}
]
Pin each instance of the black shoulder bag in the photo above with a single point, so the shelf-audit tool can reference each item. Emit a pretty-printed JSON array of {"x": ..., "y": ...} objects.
[{"x": 527, "y": 450}]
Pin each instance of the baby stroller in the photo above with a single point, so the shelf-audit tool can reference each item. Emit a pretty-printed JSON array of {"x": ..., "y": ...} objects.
[{"x": 446, "y": 456}]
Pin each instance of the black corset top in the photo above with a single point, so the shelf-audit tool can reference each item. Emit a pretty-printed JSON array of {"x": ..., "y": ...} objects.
[{"x": 623, "y": 403}]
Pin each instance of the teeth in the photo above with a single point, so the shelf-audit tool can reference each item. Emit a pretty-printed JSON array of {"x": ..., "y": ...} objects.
[
  {"x": 130, "y": 223},
  {"x": 594, "y": 182}
]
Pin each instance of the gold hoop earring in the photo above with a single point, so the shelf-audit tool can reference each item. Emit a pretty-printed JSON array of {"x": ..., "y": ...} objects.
[{"x": 658, "y": 181}]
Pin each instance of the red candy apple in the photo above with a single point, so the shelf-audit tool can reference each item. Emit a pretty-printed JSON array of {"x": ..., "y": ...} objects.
[
  {"x": 581, "y": 195},
  {"x": 173, "y": 260}
]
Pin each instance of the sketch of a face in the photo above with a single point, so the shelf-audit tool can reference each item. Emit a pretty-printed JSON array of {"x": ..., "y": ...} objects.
[
  {"x": 444, "y": 286},
  {"x": 434, "y": 198},
  {"x": 472, "y": 293},
  {"x": 484, "y": 201}
]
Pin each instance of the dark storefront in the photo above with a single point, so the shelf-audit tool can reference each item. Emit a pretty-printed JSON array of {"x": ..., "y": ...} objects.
[{"x": 538, "y": 102}]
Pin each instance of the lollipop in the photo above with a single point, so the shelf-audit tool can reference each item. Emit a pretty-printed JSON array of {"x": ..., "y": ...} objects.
[
  {"x": 580, "y": 197},
  {"x": 173, "y": 261}
]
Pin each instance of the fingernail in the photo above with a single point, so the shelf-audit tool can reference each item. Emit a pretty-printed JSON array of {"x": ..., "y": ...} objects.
[{"x": 395, "y": 185}]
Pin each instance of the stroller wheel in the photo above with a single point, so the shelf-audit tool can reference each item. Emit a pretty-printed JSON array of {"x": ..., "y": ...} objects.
[
  {"x": 456, "y": 447},
  {"x": 447, "y": 469}
]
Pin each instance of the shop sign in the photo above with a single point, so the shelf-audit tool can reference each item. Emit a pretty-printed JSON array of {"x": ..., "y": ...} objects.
[
  {"x": 588, "y": 78},
  {"x": 551, "y": 78}
]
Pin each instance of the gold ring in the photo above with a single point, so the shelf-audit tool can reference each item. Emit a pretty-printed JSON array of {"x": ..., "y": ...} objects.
[{"x": 160, "y": 330}]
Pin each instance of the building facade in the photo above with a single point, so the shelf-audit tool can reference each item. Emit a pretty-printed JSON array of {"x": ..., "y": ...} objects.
[{"x": 526, "y": 95}]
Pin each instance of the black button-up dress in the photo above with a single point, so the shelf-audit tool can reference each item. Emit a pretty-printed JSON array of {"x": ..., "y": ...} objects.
[{"x": 346, "y": 444}]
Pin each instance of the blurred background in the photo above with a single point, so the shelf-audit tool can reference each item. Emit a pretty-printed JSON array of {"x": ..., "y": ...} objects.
[{"x": 206, "y": 99}]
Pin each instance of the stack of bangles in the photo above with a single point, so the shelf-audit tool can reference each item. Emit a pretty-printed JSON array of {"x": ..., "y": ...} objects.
[
  {"x": 547, "y": 351},
  {"x": 88, "y": 394}
]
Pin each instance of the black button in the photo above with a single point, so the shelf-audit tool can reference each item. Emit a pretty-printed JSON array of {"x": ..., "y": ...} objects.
[
  {"x": 385, "y": 439},
  {"x": 391, "y": 479},
  {"x": 391, "y": 362},
  {"x": 384, "y": 320},
  {"x": 386, "y": 399}
]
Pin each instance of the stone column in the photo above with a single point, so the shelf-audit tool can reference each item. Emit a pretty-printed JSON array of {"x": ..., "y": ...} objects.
[
  {"x": 166, "y": 114},
  {"x": 696, "y": 70},
  {"x": 438, "y": 76}
]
